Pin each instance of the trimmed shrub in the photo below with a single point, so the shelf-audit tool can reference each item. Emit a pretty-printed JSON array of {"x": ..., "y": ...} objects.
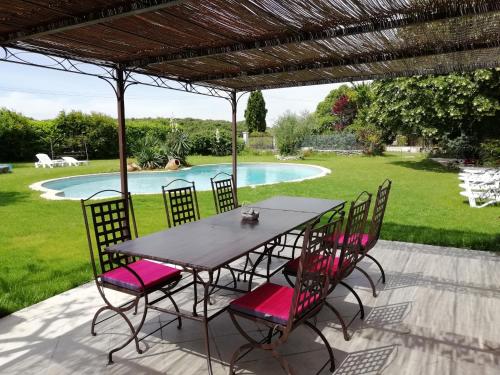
[
  {"x": 78, "y": 131},
  {"x": 19, "y": 138}
]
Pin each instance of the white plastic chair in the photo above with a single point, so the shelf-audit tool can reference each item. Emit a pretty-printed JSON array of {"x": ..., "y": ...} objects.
[
  {"x": 45, "y": 161},
  {"x": 72, "y": 161}
]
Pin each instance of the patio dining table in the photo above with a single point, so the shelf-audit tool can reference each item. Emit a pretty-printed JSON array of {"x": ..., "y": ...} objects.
[{"x": 207, "y": 245}]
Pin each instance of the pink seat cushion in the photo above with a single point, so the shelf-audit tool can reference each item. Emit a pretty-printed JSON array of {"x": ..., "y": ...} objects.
[
  {"x": 152, "y": 274},
  {"x": 271, "y": 302},
  {"x": 365, "y": 238},
  {"x": 292, "y": 267}
]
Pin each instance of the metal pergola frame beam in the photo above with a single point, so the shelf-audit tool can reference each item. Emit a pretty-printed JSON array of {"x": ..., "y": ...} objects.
[
  {"x": 372, "y": 25},
  {"x": 111, "y": 13},
  {"x": 70, "y": 65}
]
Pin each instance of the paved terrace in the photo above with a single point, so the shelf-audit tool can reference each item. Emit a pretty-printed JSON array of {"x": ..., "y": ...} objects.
[{"x": 439, "y": 313}]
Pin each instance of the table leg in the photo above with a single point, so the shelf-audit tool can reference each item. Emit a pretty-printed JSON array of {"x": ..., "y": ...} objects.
[
  {"x": 195, "y": 276},
  {"x": 206, "y": 297}
]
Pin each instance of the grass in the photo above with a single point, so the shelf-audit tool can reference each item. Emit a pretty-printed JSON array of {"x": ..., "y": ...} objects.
[{"x": 42, "y": 243}]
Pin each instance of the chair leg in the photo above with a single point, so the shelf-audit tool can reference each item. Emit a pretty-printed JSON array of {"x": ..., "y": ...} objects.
[
  {"x": 325, "y": 341},
  {"x": 341, "y": 320},
  {"x": 379, "y": 266},
  {"x": 179, "y": 326},
  {"x": 135, "y": 332},
  {"x": 289, "y": 281},
  {"x": 96, "y": 315},
  {"x": 236, "y": 354},
  {"x": 361, "y": 308},
  {"x": 283, "y": 362},
  {"x": 233, "y": 275},
  {"x": 372, "y": 284}
]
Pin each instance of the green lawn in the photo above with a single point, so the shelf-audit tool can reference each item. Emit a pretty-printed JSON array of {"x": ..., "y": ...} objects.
[{"x": 42, "y": 243}]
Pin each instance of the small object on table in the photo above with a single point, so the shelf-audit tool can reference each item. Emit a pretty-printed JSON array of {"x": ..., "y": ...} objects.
[{"x": 249, "y": 214}]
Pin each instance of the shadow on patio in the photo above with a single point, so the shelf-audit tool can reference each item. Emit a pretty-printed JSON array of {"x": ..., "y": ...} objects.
[{"x": 437, "y": 314}]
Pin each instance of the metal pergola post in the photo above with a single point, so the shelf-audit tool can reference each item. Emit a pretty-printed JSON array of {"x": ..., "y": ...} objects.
[
  {"x": 122, "y": 137},
  {"x": 234, "y": 151}
]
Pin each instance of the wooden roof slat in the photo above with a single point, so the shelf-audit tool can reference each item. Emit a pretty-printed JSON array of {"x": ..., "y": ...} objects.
[
  {"x": 117, "y": 9},
  {"x": 375, "y": 24},
  {"x": 355, "y": 59}
]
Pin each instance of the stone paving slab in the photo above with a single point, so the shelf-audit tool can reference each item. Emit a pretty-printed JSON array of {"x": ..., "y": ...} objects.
[{"x": 438, "y": 313}]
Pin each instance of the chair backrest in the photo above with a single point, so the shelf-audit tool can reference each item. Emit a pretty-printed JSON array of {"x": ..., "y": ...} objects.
[
  {"x": 378, "y": 213},
  {"x": 181, "y": 203},
  {"x": 112, "y": 222},
  {"x": 69, "y": 159},
  {"x": 312, "y": 280},
  {"x": 353, "y": 234},
  {"x": 223, "y": 191},
  {"x": 44, "y": 158}
]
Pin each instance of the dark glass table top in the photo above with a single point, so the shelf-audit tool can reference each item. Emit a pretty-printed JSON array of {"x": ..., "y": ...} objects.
[{"x": 217, "y": 240}]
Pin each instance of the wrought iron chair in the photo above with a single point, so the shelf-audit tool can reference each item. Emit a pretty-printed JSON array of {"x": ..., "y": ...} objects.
[
  {"x": 369, "y": 240},
  {"x": 223, "y": 191},
  {"x": 113, "y": 222},
  {"x": 281, "y": 308},
  {"x": 181, "y": 203},
  {"x": 181, "y": 206},
  {"x": 344, "y": 263},
  {"x": 224, "y": 200}
]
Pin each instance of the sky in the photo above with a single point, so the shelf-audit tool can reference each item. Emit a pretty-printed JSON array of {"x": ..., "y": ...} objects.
[{"x": 43, "y": 93}]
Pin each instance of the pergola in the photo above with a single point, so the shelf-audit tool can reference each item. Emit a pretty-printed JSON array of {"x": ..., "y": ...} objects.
[{"x": 223, "y": 48}]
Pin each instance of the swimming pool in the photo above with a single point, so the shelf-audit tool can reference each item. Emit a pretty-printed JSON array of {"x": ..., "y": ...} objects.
[{"x": 249, "y": 174}]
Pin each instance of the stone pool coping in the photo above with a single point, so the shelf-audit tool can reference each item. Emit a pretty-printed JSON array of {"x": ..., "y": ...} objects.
[{"x": 52, "y": 194}]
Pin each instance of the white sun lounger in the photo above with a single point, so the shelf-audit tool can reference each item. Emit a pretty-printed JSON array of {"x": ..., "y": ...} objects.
[
  {"x": 72, "y": 161},
  {"x": 45, "y": 161},
  {"x": 485, "y": 193}
]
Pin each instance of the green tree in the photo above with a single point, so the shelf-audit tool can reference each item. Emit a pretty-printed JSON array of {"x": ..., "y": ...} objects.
[
  {"x": 255, "y": 114},
  {"x": 340, "y": 107},
  {"x": 95, "y": 132},
  {"x": 453, "y": 105}
]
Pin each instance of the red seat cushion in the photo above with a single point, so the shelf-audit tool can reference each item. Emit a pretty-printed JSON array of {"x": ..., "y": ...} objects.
[
  {"x": 271, "y": 302},
  {"x": 152, "y": 274},
  {"x": 292, "y": 267},
  {"x": 365, "y": 238}
]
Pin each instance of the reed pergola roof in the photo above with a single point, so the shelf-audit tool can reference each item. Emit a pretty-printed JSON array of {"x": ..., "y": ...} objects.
[{"x": 257, "y": 44}]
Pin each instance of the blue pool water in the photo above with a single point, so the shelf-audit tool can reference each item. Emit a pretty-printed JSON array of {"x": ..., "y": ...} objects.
[{"x": 249, "y": 174}]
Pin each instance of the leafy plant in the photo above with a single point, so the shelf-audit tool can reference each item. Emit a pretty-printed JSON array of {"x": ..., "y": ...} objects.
[
  {"x": 462, "y": 147},
  {"x": 177, "y": 146},
  {"x": 452, "y": 104},
  {"x": 290, "y": 131},
  {"x": 150, "y": 153},
  {"x": 490, "y": 152}
]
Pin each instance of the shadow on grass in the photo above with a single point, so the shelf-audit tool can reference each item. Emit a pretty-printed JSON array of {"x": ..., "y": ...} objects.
[
  {"x": 423, "y": 165},
  {"x": 10, "y": 197},
  {"x": 441, "y": 237}
]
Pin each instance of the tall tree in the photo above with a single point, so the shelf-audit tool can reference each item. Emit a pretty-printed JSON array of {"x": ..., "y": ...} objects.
[{"x": 255, "y": 114}]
